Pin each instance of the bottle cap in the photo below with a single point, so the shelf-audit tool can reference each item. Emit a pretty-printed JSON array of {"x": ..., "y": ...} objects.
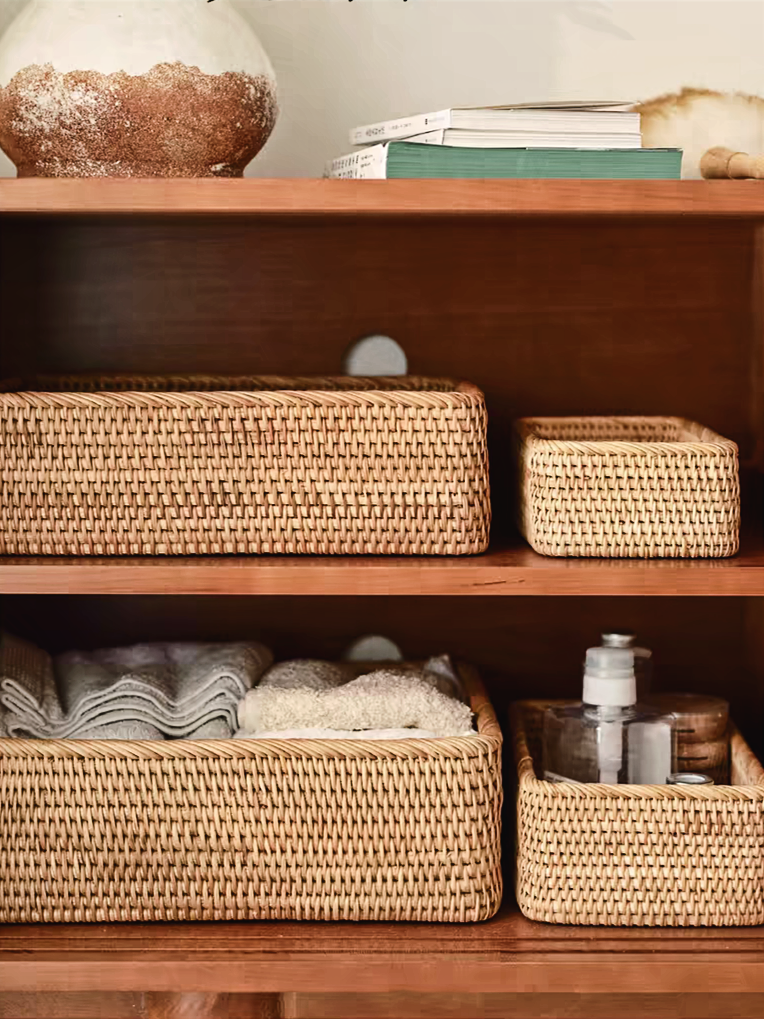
[
  {"x": 618, "y": 638},
  {"x": 609, "y": 680},
  {"x": 689, "y": 778}
]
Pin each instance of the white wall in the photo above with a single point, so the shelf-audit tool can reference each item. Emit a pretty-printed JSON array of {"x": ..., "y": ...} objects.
[{"x": 341, "y": 64}]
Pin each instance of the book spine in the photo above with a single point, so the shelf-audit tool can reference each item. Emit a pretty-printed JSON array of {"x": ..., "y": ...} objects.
[
  {"x": 429, "y": 138},
  {"x": 404, "y": 128},
  {"x": 368, "y": 164}
]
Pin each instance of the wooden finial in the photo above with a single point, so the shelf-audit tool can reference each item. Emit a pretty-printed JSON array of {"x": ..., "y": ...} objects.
[{"x": 726, "y": 163}]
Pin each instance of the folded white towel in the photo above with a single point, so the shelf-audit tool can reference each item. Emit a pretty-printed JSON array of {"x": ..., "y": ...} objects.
[
  {"x": 317, "y": 674},
  {"x": 383, "y": 699},
  {"x": 355, "y": 734},
  {"x": 180, "y": 689},
  {"x": 308, "y": 674}
]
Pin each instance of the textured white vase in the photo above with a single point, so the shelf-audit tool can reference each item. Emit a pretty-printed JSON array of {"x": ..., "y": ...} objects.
[{"x": 133, "y": 88}]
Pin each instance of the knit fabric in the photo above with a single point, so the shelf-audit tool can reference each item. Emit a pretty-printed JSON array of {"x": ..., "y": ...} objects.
[
  {"x": 183, "y": 690},
  {"x": 382, "y": 699}
]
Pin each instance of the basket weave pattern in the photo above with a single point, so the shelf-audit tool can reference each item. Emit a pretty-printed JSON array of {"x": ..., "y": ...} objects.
[
  {"x": 627, "y": 488},
  {"x": 187, "y": 466},
  {"x": 652, "y": 856},
  {"x": 244, "y": 830}
]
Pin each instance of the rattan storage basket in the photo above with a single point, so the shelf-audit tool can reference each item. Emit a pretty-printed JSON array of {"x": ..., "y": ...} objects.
[
  {"x": 652, "y": 856},
  {"x": 253, "y": 829},
  {"x": 183, "y": 466},
  {"x": 627, "y": 487}
]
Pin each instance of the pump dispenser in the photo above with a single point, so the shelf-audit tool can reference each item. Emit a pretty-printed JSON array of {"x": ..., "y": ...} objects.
[
  {"x": 642, "y": 658},
  {"x": 608, "y": 738}
]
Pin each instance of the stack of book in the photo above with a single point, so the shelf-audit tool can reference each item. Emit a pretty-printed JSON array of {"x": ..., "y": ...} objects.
[{"x": 564, "y": 140}]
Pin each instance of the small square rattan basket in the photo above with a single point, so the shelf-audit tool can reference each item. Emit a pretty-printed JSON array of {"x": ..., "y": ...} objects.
[
  {"x": 627, "y": 487},
  {"x": 633, "y": 855}
]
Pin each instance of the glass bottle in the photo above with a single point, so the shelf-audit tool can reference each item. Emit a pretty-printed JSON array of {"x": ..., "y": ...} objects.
[{"x": 608, "y": 738}]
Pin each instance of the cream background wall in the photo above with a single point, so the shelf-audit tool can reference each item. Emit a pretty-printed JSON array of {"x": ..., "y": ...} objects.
[{"x": 340, "y": 64}]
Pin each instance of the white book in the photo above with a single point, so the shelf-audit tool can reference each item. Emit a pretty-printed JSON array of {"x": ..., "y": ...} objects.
[
  {"x": 430, "y": 137},
  {"x": 402, "y": 128},
  {"x": 526, "y": 140},
  {"x": 578, "y": 116},
  {"x": 368, "y": 164}
]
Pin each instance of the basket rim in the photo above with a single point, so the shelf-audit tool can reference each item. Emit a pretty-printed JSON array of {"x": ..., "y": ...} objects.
[
  {"x": 237, "y": 391},
  {"x": 528, "y": 781},
  {"x": 488, "y": 739},
  {"x": 703, "y": 440}
]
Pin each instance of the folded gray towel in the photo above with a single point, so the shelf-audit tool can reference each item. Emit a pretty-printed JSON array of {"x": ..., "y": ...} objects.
[
  {"x": 27, "y": 686},
  {"x": 218, "y": 728},
  {"x": 387, "y": 698},
  {"x": 121, "y": 730},
  {"x": 180, "y": 689}
]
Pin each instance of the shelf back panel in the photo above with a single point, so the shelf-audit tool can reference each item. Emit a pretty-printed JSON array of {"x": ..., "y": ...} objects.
[{"x": 548, "y": 317}]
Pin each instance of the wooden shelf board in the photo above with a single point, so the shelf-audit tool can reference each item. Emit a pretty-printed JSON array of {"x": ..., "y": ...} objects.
[
  {"x": 308, "y": 197},
  {"x": 512, "y": 570},
  {"x": 506, "y": 954}
]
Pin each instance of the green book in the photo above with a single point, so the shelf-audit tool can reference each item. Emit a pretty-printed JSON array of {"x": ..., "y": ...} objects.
[{"x": 415, "y": 159}]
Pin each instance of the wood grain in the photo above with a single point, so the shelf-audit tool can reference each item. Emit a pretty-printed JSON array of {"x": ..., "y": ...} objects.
[
  {"x": 138, "y": 1005},
  {"x": 515, "y": 571},
  {"x": 508, "y": 954},
  {"x": 315, "y": 197},
  {"x": 548, "y": 318},
  {"x": 524, "y": 1006},
  {"x": 406, "y": 1005}
]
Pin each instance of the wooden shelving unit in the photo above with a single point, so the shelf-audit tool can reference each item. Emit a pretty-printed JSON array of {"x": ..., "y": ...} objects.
[{"x": 556, "y": 297}]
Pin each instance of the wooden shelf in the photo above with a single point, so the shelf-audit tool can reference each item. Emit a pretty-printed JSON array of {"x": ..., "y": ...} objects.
[
  {"x": 507, "y": 954},
  {"x": 513, "y": 570},
  {"x": 308, "y": 197}
]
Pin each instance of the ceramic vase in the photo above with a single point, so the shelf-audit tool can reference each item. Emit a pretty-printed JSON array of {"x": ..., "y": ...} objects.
[{"x": 133, "y": 88}]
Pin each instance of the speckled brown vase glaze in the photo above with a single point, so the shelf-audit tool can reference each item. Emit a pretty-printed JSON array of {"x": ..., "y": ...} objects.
[{"x": 173, "y": 88}]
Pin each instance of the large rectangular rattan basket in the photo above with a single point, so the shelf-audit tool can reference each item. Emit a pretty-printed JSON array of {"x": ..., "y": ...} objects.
[
  {"x": 641, "y": 856},
  {"x": 184, "y": 466},
  {"x": 253, "y": 829},
  {"x": 627, "y": 487}
]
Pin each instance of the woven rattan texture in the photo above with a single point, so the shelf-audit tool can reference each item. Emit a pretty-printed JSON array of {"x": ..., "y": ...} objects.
[
  {"x": 240, "y": 829},
  {"x": 627, "y": 488},
  {"x": 652, "y": 856},
  {"x": 273, "y": 467}
]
